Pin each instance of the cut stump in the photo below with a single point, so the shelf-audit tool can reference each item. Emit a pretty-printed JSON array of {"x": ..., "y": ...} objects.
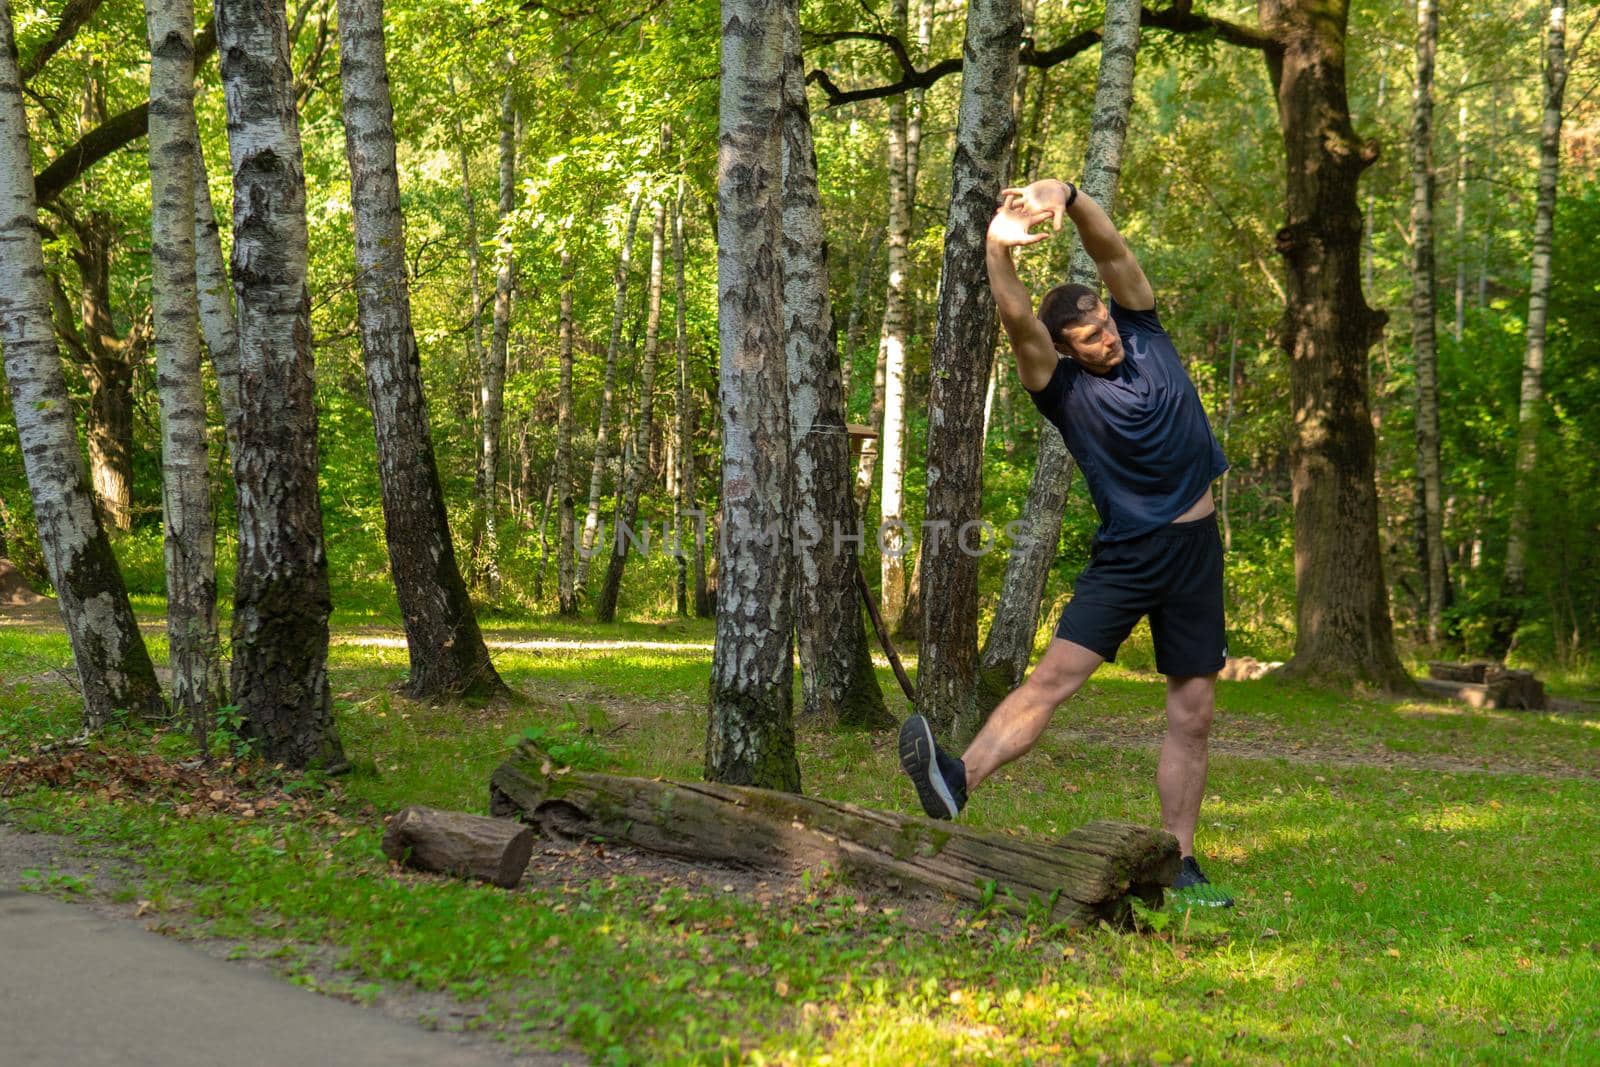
[
  {"x": 453, "y": 842},
  {"x": 1095, "y": 872}
]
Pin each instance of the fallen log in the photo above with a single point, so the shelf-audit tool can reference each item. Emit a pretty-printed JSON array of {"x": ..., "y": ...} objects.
[
  {"x": 1094, "y": 872},
  {"x": 453, "y": 842}
]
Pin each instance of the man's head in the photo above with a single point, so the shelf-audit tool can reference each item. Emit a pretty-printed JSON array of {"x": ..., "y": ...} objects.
[{"x": 1080, "y": 326}]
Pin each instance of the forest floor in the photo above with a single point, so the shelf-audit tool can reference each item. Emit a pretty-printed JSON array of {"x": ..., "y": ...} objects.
[{"x": 1415, "y": 879}]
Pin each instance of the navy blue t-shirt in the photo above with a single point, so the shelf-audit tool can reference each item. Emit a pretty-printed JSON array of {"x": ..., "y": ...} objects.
[{"x": 1139, "y": 434}]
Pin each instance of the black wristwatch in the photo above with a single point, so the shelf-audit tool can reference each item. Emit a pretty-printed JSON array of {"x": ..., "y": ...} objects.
[{"x": 1072, "y": 195}]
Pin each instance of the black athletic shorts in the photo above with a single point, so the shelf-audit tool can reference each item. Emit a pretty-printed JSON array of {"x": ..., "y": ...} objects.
[{"x": 1174, "y": 575}]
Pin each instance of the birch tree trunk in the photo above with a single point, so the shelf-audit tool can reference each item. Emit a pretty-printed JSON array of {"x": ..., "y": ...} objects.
[
  {"x": 836, "y": 677},
  {"x": 591, "y": 521},
  {"x": 469, "y": 201},
  {"x": 281, "y": 605},
  {"x": 447, "y": 652},
  {"x": 492, "y": 374},
  {"x": 892, "y": 564},
  {"x": 1343, "y": 632},
  {"x": 1461, "y": 212},
  {"x": 858, "y": 300},
  {"x": 750, "y": 730},
  {"x": 189, "y": 541},
  {"x": 1513, "y": 582},
  {"x": 566, "y": 590},
  {"x": 113, "y": 666},
  {"x": 215, "y": 299},
  {"x": 963, "y": 348},
  {"x": 1424, "y": 321},
  {"x": 605, "y": 609},
  {"x": 1009, "y": 645},
  {"x": 686, "y": 500}
]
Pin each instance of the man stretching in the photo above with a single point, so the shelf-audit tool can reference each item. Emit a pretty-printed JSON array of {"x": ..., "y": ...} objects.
[{"x": 1110, "y": 380}]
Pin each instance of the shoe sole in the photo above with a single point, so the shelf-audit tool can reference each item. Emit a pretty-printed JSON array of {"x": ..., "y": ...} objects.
[{"x": 917, "y": 760}]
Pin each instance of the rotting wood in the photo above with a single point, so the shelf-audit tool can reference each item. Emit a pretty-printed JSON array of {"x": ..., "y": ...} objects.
[
  {"x": 454, "y": 842},
  {"x": 1094, "y": 872}
]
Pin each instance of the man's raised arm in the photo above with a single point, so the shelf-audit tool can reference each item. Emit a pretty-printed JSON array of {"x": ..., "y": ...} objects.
[
  {"x": 1112, "y": 257},
  {"x": 1030, "y": 341}
]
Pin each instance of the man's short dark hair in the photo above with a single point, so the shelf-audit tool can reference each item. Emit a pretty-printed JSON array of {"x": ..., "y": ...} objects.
[{"x": 1066, "y": 305}]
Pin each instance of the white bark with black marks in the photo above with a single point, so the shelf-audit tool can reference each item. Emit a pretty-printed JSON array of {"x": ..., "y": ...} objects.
[
  {"x": 1424, "y": 322},
  {"x": 1009, "y": 644},
  {"x": 750, "y": 730},
  {"x": 189, "y": 540},
  {"x": 492, "y": 374},
  {"x": 963, "y": 346},
  {"x": 113, "y": 666},
  {"x": 836, "y": 675},
  {"x": 216, "y": 299},
  {"x": 281, "y": 604},
  {"x": 448, "y": 655},
  {"x": 597, "y": 469},
  {"x": 605, "y": 606},
  {"x": 1513, "y": 582},
  {"x": 566, "y": 552}
]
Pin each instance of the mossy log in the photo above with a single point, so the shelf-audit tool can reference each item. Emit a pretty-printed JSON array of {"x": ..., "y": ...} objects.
[
  {"x": 453, "y": 842},
  {"x": 1092, "y": 873}
]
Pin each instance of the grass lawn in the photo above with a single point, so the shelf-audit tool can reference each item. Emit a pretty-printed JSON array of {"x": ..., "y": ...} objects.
[{"x": 1416, "y": 882}]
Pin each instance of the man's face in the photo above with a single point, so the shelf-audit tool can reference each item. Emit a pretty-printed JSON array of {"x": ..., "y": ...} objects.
[{"x": 1094, "y": 341}]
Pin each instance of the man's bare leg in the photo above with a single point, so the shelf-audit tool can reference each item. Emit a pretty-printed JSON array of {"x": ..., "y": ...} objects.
[
  {"x": 1021, "y": 717},
  {"x": 1181, "y": 774}
]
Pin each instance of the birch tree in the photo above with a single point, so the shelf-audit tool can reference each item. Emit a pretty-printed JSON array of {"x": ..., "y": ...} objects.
[
  {"x": 281, "y": 604},
  {"x": 114, "y": 668},
  {"x": 566, "y": 587},
  {"x": 597, "y": 469},
  {"x": 750, "y": 730},
  {"x": 215, "y": 299},
  {"x": 189, "y": 541},
  {"x": 1424, "y": 322},
  {"x": 1009, "y": 644},
  {"x": 1513, "y": 581},
  {"x": 605, "y": 607},
  {"x": 963, "y": 348},
  {"x": 446, "y": 648},
  {"x": 687, "y": 503},
  {"x": 836, "y": 676},
  {"x": 492, "y": 373}
]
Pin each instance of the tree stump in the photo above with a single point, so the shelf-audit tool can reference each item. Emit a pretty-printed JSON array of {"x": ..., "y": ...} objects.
[
  {"x": 1094, "y": 872},
  {"x": 453, "y": 842}
]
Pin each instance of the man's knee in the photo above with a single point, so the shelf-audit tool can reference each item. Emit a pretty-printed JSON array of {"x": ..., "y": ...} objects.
[
  {"x": 1190, "y": 708},
  {"x": 1062, "y": 672}
]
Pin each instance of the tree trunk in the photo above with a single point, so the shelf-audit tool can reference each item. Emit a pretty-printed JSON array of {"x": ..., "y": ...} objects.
[
  {"x": 1092, "y": 873},
  {"x": 605, "y": 609},
  {"x": 453, "y": 842},
  {"x": 215, "y": 299},
  {"x": 750, "y": 731},
  {"x": 492, "y": 375},
  {"x": 190, "y": 534},
  {"x": 837, "y": 681},
  {"x": 1343, "y": 631},
  {"x": 108, "y": 362},
  {"x": 892, "y": 592},
  {"x": 113, "y": 666},
  {"x": 566, "y": 590},
  {"x": 1513, "y": 582},
  {"x": 963, "y": 348},
  {"x": 1461, "y": 212},
  {"x": 1009, "y": 645},
  {"x": 591, "y": 521},
  {"x": 474, "y": 279},
  {"x": 1424, "y": 315},
  {"x": 448, "y": 655},
  {"x": 281, "y": 605},
  {"x": 688, "y": 506}
]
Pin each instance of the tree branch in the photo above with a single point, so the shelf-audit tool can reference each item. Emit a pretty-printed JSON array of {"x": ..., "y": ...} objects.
[
  {"x": 73, "y": 17},
  {"x": 1177, "y": 19},
  {"x": 116, "y": 132}
]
